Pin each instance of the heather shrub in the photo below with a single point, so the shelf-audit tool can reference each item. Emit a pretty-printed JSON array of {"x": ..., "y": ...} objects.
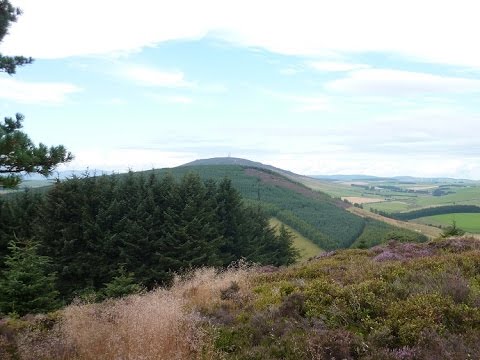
[
  {"x": 7, "y": 349},
  {"x": 448, "y": 346},
  {"x": 272, "y": 292},
  {"x": 429, "y": 312},
  {"x": 335, "y": 344}
]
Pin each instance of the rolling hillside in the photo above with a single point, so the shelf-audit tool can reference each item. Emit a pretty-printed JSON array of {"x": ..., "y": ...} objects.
[
  {"x": 293, "y": 200},
  {"x": 315, "y": 215}
]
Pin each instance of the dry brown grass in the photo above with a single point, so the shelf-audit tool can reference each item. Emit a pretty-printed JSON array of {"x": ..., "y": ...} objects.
[
  {"x": 161, "y": 324},
  {"x": 202, "y": 289}
]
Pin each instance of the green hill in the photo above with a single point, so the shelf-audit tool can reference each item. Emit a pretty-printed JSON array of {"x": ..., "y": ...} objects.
[
  {"x": 315, "y": 215},
  {"x": 283, "y": 194},
  {"x": 239, "y": 162}
]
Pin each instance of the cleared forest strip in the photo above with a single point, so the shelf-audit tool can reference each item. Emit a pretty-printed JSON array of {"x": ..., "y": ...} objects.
[{"x": 306, "y": 247}]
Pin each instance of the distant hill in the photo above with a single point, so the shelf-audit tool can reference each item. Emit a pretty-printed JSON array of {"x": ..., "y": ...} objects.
[
  {"x": 349, "y": 177},
  {"x": 64, "y": 174},
  {"x": 230, "y": 161},
  {"x": 412, "y": 179},
  {"x": 284, "y": 195},
  {"x": 241, "y": 162}
]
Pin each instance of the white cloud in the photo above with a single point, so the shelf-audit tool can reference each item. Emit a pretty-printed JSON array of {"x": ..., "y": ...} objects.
[
  {"x": 172, "y": 99},
  {"x": 386, "y": 82},
  {"x": 440, "y": 32},
  {"x": 289, "y": 71},
  {"x": 303, "y": 103},
  {"x": 115, "y": 101},
  {"x": 335, "y": 66},
  {"x": 35, "y": 92},
  {"x": 311, "y": 103},
  {"x": 147, "y": 76},
  {"x": 178, "y": 99}
]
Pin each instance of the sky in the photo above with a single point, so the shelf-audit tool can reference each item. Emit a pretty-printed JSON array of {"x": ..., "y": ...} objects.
[{"x": 316, "y": 87}]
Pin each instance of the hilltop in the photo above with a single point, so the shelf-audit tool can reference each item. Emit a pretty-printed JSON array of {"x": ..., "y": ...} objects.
[{"x": 243, "y": 163}]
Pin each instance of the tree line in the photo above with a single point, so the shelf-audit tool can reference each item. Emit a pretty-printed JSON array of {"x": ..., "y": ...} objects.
[
  {"x": 92, "y": 231},
  {"x": 430, "y": 211}
]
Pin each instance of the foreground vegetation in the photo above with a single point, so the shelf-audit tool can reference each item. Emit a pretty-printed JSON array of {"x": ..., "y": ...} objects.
[{"x": 396, "y": 301}]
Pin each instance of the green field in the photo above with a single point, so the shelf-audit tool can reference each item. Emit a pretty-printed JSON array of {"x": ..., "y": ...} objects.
[
  {"x": 390, "y": 206},
  {"x": 465, "y": 195},
  {"x": 467, "y": 222},
  {"x": 305, "y": 246}
]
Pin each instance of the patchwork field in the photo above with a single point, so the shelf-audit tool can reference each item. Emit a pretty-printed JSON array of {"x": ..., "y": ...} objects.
[{"x": 398, "y": 195}]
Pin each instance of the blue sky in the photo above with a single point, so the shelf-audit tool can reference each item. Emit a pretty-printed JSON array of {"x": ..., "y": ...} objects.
[{"x": 369, "y": 87}]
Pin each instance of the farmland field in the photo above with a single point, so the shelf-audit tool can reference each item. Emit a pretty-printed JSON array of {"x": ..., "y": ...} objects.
[
  {"x": 360, "y": 200},
  {"x": 390, "y": 206},
  {"x": 467, "y": 222}
]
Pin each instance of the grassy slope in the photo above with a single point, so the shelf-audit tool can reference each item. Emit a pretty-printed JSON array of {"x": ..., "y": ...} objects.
[
  {"x": 306, "y": 247},
  {"x": 467, "y": 222}
]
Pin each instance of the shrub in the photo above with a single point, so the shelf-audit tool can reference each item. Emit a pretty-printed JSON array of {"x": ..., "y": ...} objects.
[{"x": 335, "y": 344}]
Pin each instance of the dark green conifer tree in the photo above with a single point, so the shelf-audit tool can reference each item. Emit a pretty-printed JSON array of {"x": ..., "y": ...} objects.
[
  {"x": 26, "y": 284},
  {"x": 18, "y": 218},
  {"x": 191, "y": 239},
  {"x": 230, "y": 215},
  {"x": 121, "y": 285},
  {"x": 286, "y": 253}
]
